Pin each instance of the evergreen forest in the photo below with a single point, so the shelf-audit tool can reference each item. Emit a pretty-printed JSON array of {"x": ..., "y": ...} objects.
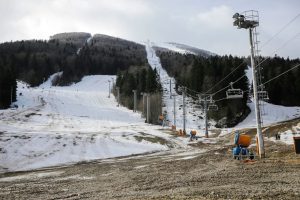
[
  {"x": 33, "y": 61},
  {"x": 205, "y": 75}
]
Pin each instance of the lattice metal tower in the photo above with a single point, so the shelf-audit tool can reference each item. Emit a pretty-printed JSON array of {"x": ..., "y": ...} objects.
[
  {"x": 258, "y": 71},
  {"x": 250, "y": 20}
]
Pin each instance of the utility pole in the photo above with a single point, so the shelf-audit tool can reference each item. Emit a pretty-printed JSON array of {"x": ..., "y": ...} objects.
[
  {"x": 174, "y": 109},
  {"x": 183, "y": 107},
  {"x": 108, "y": 88},
  {"x": 148, "y": 108},
  {"x": 143, "y": 113},
  {"x": 118, "y": 93},
  {"x": 170, "y": 88},
  {"x": 11, "y": 95},
  {"x": 113, "y": 82},
  {"x": 250, "y": 20},
  {"x": 134, "y": 100},
  {"x": 205, "y": 111},
  {"x": 203, "y": 99}
]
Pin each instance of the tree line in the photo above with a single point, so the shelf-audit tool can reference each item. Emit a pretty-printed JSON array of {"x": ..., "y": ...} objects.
[
  {"x": 143, "y": 80},
  {"x": 33, "y": 61},
  {"x": 284, "y": 90},
  {"x": 203, "y": 73}
]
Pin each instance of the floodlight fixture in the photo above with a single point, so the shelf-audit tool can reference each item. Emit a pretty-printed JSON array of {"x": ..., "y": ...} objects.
[{"x": 248, "y": 19}]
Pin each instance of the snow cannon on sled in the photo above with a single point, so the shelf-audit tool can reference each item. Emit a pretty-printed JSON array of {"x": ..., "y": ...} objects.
[
  {"x": 193, "y": 135},
  {"x": 242, "y": 140},
  {"x": 242, "y": 143}
]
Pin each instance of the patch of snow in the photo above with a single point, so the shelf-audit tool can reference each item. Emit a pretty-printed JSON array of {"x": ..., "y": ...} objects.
[
  {"x": 187, "y": 158},
  {"x": 248, "y": 72},
  {"x": 194, "y": 116},
  {"x": 63, "y": 125},
  {"x": 271, "y": 114},
  {"x": 286, "y": 137},
  {"x": 48, "y": 83},
  {"x": 141, "y": 166},
  {"x": 171, "y": 47},
  {"x": 34, "y": 175}
]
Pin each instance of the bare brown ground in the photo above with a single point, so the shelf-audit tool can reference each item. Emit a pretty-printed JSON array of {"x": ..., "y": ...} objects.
[{"x": 205, "y": 171}]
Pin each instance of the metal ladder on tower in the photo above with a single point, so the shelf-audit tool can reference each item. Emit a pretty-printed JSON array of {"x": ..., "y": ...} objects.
[{"x": 262, "y": 94}]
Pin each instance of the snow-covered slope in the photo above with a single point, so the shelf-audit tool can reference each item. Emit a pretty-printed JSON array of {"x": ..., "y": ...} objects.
[
  {"x": 270, "y": 113},
  {"x": 182, "y": 48},
  {"x": 194, "y": 116},
  {"x": 60, "y": 125}
]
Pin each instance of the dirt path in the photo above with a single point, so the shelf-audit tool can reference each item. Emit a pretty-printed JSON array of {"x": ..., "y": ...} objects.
[{"x": 205, "y": 172}]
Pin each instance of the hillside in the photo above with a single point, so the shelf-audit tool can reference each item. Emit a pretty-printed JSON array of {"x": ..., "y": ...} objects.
[
  {"x": 74, "y": 141},
  {"x": 75, "y": 54},
  {"x": 182, "y": 48},
  {"x": 76, "y": 38},
  {"x": 63, "y": 125}
]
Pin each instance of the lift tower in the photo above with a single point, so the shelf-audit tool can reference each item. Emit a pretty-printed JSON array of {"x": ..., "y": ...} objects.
[{"x": 250, "y": 20}]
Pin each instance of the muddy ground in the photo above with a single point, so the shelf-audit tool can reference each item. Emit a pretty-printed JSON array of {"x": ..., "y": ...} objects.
[{"x": 205, "y": 171}]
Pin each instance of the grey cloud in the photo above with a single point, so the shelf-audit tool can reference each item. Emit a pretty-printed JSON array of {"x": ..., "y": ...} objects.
[{"x": 205, "y": 24}]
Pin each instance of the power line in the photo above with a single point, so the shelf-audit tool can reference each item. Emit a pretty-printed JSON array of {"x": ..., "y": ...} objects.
[
  {"x": 220, "y": 99},
  {"x": 288, "y": 41},
  {"x": 282, "y": 46},
  {"x": 297, "y": 65},
  {"x": 193, "y": 90},
  {"x": 228, "y": 85},
  {"x": 282, "y": 29},
  {"x": 225, "y": 77}
]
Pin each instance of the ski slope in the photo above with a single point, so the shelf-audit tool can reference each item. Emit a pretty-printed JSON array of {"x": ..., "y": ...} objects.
[
  {"x": 55, "y": 126},
  {"x": 194, "y": 116},
  {"x": 271, "y": 114},
  {"x": 62, "y": 125}
]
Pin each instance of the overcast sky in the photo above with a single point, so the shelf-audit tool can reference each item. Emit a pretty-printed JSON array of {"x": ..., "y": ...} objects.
[{"x": 205, "y": 24}]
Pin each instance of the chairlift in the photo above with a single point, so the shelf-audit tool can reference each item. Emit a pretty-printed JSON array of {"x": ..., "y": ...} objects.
[
  {"x": 249, "y": 100},
  {"x": 213, "y": 107},
  {"x": 211, "y": 99},
  {"x": 263, "y": 95},
  {"x": 234, "y": 93},
  {"x": 197, "y": 106}
]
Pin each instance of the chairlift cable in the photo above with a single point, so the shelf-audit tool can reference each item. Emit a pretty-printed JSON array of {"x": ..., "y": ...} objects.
[
  {"x": 297, "y": 65},
  {"x": 282, "y": 29},
  {"x": 193, "y": 90},
  {"x": 228, "y": 85},
  {"x": 263, "y": 45},
  {"x": 220, "y": 99},
  {"x": 225, "y": 77},
  {"x": 245, "y": 74},
  {"x": 279, "y": 48}
]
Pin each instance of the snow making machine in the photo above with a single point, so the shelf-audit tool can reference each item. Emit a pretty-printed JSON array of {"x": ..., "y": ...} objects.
[{"x": 241, "y": 150}]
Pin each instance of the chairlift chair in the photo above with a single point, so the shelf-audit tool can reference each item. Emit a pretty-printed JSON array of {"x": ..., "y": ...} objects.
[
  {"x": 213, "y": 107},
  {"x": 234, "y": 93},
  {"x": 263, "y": 95}
]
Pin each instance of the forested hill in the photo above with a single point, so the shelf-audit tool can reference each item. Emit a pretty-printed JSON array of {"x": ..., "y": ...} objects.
[
  {"x": 76, "y": 38},
  {"x": 80, "y": 54},
  {"x": 209, "y": 75},
  {"x": 75, "y": 54}
]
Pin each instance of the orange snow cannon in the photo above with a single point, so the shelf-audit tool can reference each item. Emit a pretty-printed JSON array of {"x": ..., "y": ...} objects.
[
  {"x": 242, "y": 140},
  {"x": 194, "y": 132}
]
